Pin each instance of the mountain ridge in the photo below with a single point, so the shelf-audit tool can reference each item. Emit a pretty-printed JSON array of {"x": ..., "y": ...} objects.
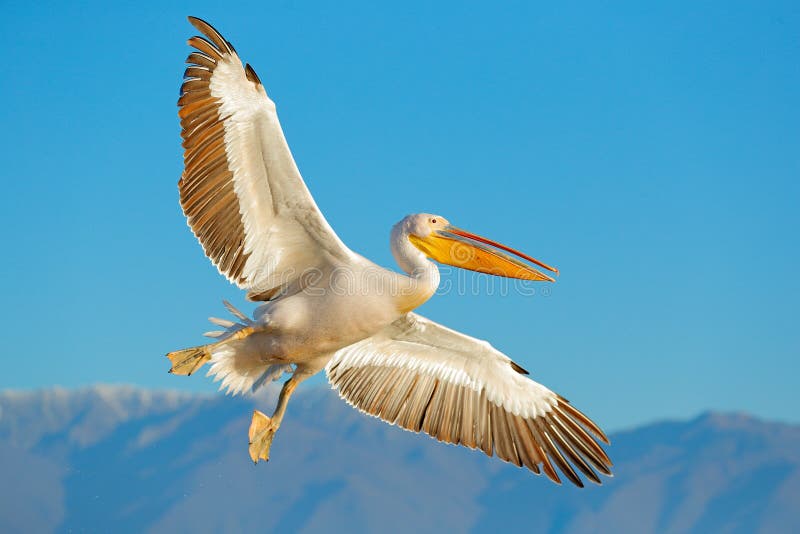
[{"x": 131, "y": 459}]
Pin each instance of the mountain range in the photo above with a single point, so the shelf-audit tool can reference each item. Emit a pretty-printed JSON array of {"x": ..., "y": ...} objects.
[{"x": 123, "y": 459}]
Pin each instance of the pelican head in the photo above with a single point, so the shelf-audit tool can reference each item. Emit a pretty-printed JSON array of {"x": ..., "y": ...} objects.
[{"x": 445, "y": 243}]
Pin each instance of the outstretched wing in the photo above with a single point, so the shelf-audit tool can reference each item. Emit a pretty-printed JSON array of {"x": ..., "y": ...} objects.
[
  {"x": 423, "y": 376},
  {"x": 240, "y": 190}
]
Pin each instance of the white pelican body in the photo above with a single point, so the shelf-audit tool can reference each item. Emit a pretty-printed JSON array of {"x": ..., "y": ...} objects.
[{"x": 326, "y": 307}]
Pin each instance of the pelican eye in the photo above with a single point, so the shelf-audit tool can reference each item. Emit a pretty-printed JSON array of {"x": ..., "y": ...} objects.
[{"x": 433, "y": 221}]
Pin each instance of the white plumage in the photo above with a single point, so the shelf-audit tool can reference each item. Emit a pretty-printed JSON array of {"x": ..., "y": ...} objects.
[
  {"x": 323, "y": 306},
  {"x": 423, "y": 347}
]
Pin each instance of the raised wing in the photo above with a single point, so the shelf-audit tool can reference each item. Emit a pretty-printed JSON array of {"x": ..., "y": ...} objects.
[
  {"x": 422, "y": 376},
  {"x": 240, "y": 190}
]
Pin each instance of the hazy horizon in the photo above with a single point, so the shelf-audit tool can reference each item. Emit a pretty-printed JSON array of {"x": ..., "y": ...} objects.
[{"x": 135, "y": 460}]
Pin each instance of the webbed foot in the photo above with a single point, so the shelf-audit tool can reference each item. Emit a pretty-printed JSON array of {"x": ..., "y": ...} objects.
[{"x": 262, "y": 431}]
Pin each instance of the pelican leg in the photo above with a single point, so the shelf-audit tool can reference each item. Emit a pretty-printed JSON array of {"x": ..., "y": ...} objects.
[
  {"x": 187, "y": 361},
  {"x": 263, "y": 428}
]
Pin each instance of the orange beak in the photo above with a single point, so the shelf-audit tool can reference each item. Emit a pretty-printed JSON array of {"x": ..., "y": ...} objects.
[{"x": 466, "y": 250}]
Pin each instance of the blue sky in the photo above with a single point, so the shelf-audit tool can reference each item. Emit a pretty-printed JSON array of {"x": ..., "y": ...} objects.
[{"x": 652, "y": 153}]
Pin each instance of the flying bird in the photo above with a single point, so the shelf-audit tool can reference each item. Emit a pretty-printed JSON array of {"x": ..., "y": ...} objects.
[{"x": 325, "y": 307}]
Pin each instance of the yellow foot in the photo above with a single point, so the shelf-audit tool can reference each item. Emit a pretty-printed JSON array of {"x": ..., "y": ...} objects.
[
  {"x": 262, "y": 430},
  {"x": 187, "y": 361}
]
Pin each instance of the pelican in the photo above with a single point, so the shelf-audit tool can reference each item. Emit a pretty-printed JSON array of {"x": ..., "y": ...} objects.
[{"x": 322, "y": 306}]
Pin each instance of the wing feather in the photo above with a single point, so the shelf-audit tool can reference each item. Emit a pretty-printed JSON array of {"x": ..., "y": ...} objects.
[
  {"x": 240, "y": 190},
  {"x": 424, "y": 377}
]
